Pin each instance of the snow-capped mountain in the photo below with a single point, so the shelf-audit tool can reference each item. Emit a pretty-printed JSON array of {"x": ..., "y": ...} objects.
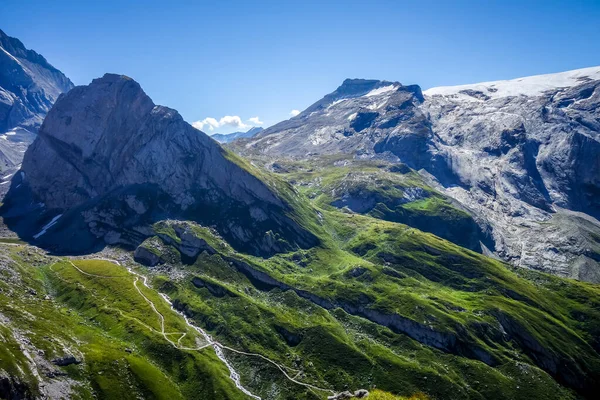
[
  {"x": 522, "y": 154},
  {"x": 230, "y": 137}
]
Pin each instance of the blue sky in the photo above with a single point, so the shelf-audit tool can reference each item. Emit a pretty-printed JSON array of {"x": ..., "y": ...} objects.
[{"x": 264, "y": 59}]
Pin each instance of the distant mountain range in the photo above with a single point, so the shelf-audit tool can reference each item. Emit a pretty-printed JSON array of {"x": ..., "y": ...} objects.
[{"x": 230, "y": 137}]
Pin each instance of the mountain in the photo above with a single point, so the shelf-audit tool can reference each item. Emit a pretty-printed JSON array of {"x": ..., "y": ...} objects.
[
  {"x": 520, "y": 155},
  {"x": 29, "y": 86},
  {"x": 153, "y": 263},
  {"x": 230, "y": 137},
  {"x": 107, "y": 163}
]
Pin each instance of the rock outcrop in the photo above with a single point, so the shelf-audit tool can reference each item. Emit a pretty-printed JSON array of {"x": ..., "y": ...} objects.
[
  {"x": 521, "y": 155},
  {"x": 108, "y": 162}
]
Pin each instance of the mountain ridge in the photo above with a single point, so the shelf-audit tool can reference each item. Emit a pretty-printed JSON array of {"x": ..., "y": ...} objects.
[
  {"x": 28, "y": 83},
  {"x": 230, "y": 137},
  {"x": 515, "y": 160}
]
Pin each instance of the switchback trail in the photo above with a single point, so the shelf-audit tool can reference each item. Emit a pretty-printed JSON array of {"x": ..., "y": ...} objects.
[{"x": 218, "y": 347}]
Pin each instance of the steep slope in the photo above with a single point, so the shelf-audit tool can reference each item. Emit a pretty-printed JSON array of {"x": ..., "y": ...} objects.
[
  {"x": 230, "y": 137},
  {"x": 380, "y": 304},
  {"x": 522, "y": 152},
  {"x": 295, "y": 298},
  {"x": 346, "y": 120},
  {"x": 520, "y": 155},
  {"x": 29, "y": 86},
  {"x": 384, "y": 190},
  {"x": 84, "y": 329},
  {"x": 107, "y": 162}
]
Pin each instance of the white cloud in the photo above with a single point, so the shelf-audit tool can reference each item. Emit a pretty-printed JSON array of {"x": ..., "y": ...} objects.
[
  {"x": 293, "y": 113},
  {"x": 255, "y": 121},
  {"x": 233, "y": 121},
  {"x": 211, "y": 123}
]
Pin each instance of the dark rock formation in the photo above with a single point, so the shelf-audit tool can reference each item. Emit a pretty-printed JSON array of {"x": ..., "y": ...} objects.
[
  {"x": 107, "y": 163},
  {"x": 65, "y": 361}
]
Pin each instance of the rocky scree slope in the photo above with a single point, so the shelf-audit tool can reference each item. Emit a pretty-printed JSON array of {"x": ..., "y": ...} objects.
[
  {"x": 522, "y": 155},
  {"x": 107, "y": 162}
]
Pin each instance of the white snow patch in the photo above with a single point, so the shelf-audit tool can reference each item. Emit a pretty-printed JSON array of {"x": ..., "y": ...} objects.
[
  {"x": 335, "y": 102},
  {"x": 375, "y": 106},
  {"x": 352, "y": 116},
  {"x": 381, "y": 90},
  {"x": 528, "y": 86},
  {"x": 47, "y": 226},
  {"x": 11, "y": 56}
]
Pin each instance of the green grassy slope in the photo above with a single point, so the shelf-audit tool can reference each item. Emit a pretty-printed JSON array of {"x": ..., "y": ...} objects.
[
  {"x": 52, "y": 310},
  {"x": 470, "y": 326},
  {"x": 386, "y": 191},
  {"x": 377, "y": 305}
]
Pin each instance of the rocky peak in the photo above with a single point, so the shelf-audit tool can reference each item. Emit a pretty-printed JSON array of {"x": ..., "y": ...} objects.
[
  {"x": 253, "y": 131},
  {"x": 352, "y": 88},
  {"x": 356, "y": 117},
  {"x": 521, "y": 154},
  {"x": 115, "y": 162},
  {"x": 29, "y": 85},
  {"x": 17, "y": 49}
]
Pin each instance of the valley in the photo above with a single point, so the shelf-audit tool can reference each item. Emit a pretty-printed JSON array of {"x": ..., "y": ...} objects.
[{"x": 386, "y": 243}]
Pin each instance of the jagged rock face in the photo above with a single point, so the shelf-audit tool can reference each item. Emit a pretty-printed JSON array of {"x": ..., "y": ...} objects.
[
  {"x": 522, "y": 152},
  {"x": 522, "y": 155},
  {"x": 29, "y": 85},
  {"x": 112, "y": 162}
]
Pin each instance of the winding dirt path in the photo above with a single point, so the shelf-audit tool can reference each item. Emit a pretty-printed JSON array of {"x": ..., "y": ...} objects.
[{"x": 218, "y": 347}]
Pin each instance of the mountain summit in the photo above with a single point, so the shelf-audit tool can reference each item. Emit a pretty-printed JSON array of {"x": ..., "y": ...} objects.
[
  {"x": 108, "y": 162},
  {"x": 29, "y": 85},
  {"x": 343, "y": 121},
  {"x": 521, "y": 155}
]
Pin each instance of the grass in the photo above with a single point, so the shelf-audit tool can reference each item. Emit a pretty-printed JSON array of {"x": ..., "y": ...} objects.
[
  {"x": 373, "y": 187},
  {"x": 505, "y": 332},
  {"x": 448, "y": 288},
  {"x": 108, "y": 325}
]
